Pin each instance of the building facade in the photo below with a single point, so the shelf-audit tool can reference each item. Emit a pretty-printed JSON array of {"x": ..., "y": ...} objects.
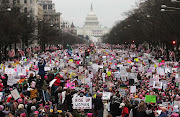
[
  {"x": 49, "y": 12},
  {"x": 67, "y": 27},
  {"x": 91, "y": 29}
]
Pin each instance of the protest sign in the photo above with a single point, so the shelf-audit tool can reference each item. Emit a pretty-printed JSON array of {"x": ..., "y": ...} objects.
[
  {"x": 81, "y": 77},
  {"x": 70, "y": 85},
  {"x": 150, "y": 98},
  {"x": 1, "y": 95},
  {"x": 106, "y": 96},
  {"x": 177, "y": 103},
  {"x": 157, "y": 85},
  {"x": 47, "y": 68},
  {"x": 122, "y": 91},
  {"x": 123, "y": 86},
  {"x": 80, "y": 69},
  {"x": 15, "y": 94},
  {"x": 165, "y": 104},
  {"x": 52, "y": 82},
  {"x": 133, "y": 89},
  {"x": 109, "y": 73},
  {"x": 11, "y": 80},
  {"x": 82, "y": 102}
]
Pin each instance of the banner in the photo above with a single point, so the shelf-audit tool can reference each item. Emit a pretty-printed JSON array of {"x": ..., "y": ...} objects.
[
  {"x": 151, "y": 98},
  {"x": 82, "y": 102}
]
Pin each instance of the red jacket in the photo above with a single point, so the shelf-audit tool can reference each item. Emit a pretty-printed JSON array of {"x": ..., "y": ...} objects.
[
  {"x": 57, "y": 82},
  {"x": 125, "y": 111}
]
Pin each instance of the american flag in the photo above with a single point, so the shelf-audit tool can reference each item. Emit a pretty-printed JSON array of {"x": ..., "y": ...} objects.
[
  {"x": 11, "y": 53},
  {"x": 28, "y": 50},
  {"x": 21, "y": 52},
  {"x": 47, "y": 48}
]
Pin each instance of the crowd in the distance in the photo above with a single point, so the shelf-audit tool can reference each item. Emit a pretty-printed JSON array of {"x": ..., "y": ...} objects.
[{"x": 39, "y": 97}]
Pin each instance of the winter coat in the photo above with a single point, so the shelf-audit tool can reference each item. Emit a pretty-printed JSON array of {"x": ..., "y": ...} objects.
[
  {"x": 125, "y": 111},
  {"x": 57, "y": 82},
  {"x": 41, "y": 68}
]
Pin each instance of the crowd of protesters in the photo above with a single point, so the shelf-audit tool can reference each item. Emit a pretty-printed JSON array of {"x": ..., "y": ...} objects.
[{"x": 40, "y": 98}]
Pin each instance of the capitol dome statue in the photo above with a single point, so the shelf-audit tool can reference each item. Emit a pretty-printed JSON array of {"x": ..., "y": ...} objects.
[{"x": 91, "y": 29}]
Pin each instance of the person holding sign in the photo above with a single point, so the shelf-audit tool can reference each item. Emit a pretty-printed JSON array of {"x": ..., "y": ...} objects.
[{"x": 41, "y": 72}]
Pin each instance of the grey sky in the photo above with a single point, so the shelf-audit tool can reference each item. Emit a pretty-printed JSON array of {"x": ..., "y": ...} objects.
[{"x": 108, "y": 11}]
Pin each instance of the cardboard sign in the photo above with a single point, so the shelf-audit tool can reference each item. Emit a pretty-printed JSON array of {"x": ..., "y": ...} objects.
[
  {"x": 133, "y": 89},
  {"x": 150, "y": 98},
  {"x": 15, "y": 94},
  {"x": 81, "y": 77},
  {"x": 82, "y": 102}
]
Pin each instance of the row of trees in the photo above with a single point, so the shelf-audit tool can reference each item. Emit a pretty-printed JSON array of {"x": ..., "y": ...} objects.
[
  {"x": 147, "y": 23},
  {"x": 19, "y": 30}
]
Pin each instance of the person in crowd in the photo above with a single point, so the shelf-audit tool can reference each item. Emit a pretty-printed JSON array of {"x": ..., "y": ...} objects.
[
  {"x": 98, "y": 105},
  {"x": 164, "y": 112},
  {"x": 141, "y": 111},
  {"x": 125, "y": 111},
  {"x": 41, "y": 65},
  {"x": 21, "y": 111}
]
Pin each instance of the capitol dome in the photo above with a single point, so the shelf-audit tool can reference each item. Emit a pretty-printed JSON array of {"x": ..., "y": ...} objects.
[{"x": 91, "y": 19}]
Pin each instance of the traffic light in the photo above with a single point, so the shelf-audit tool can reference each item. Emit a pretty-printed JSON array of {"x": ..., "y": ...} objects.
[{"x": 174, "y": 42}]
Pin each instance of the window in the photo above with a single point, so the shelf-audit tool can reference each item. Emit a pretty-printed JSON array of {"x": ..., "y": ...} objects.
[
  {"x": 18, "y": 1},
  {"x": 14, "y": 2},
  {"x": 49, "y": 6},
  {"x": 44, "y": 6},
  {"x": 25, "y": 10},
  {"x": 25, "y": 1},
  {"x": 31, "y": 1}
]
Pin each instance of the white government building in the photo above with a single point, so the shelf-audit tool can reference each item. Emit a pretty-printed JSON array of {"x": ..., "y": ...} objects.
[{"x": 91, "y": 28}]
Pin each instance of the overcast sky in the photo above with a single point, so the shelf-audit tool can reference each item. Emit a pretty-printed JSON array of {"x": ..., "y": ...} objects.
[{"x": 108, "y": 11}]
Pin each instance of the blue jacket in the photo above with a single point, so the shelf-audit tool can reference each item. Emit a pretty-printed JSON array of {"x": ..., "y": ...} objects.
[
  {"x": 41, "y": 68},
  {"x": 163, "y": 114}
]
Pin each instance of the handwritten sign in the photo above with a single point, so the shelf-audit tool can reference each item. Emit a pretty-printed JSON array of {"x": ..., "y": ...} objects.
[{"x": 82, "y": 102}]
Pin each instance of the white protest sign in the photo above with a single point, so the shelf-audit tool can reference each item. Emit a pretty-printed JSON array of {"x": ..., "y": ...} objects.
[
  {"x": 52, "y": 82},
  {"x": 132, "y": 76},
  {"x": 47, "y": 68},
  {"x": 177, "y": 103},
  {"x": 19, "y": 69},
  {"x": 122, "y": 91},
  {"x": 165, "y": 104},
  {"x": 157, "y": 85},
  {"x": 106, "y": 96},
  {"x": 82, "y": 102},
  {"x": 117, "y": 74},
  {"x": 11, "y": 80},
  {"x": 1, "y": 95},
  {"x": 80, "y": 69},
  {"x": 15, "y": 94},
  {"x": 133, "y": 89},
  {"x": 103, "y": 75},
  {"x": 24, "y": 72}
]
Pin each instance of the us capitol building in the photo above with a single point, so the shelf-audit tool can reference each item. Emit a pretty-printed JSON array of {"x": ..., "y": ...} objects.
[{"x": 91, "y": 29}]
